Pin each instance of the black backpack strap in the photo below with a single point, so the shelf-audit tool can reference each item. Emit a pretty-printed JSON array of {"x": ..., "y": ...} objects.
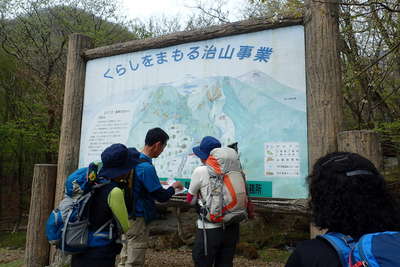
[
  {"x": 111, "y": 223},
  {"x": 127, "y": 188}
]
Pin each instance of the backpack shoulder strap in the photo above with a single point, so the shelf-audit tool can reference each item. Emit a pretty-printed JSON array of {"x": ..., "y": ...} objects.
[
  {"x": 105, "y": 181},
  {"x": 106, "y": 187},
  {"x": 343, "y": 245}
]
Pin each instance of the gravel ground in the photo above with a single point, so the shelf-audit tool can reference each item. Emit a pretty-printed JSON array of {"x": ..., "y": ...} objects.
[{"x": 177, "y": 258}]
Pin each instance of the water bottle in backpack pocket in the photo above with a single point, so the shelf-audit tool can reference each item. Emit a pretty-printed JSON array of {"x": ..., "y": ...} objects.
[{"x": 373, "y": 250}]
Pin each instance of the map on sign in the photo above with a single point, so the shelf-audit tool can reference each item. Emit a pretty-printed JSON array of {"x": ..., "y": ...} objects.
[{"x": 248, "y": 88}]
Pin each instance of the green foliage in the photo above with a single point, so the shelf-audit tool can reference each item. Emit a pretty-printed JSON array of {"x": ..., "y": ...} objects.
[
  {"x": 12, "y": 240},
  {"x": 370, "y": 62},
  {"x": 34, "y": 36},
  {"x": 390, "y": 134},
  {"x": 16, "y": 263},
  {"x": 370, "y": 51},
  {"x": 275, "y": 8},
  {"x": 391, "y": 129}
]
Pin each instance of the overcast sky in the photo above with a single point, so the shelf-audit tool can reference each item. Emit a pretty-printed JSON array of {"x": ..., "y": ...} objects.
[{"x": 144, "y": 9}]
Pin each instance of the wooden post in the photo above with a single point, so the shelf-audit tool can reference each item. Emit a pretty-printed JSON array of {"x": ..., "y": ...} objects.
[
  {"x": 70, "y": 137},
  {"x": 364, "y": 142},
  {"x": 68, "y": 153},
  {"x": 324, "y": 98},
  {"x": 42, "y": 202}
]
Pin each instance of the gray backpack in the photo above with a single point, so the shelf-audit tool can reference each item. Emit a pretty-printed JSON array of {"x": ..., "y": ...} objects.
[{"x": 227, "y": 200}]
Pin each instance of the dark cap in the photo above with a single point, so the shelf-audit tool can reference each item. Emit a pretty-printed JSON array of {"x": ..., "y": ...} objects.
[{"x": 117, "y": 160}]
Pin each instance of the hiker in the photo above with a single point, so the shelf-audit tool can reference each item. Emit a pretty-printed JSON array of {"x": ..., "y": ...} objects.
[
  {"x": 146, "y": 189},
  {"x": 217, "y": 232},
  {"x": 107, "y": 204},
  {"x": 349, "y": 198}
]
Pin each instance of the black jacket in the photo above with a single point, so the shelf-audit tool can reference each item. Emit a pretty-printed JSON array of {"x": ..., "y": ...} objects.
[{"x": 314, "y": 253}]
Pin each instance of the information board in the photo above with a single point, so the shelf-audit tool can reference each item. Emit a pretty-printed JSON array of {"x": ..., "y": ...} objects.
[{"x": 247, "y": 88}]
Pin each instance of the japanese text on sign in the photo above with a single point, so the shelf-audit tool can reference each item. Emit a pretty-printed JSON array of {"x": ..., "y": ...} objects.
[{"x": 243, "y": 52}]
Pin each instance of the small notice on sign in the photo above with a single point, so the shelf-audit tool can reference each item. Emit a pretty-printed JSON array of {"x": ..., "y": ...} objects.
[
  {"x": 282, "y": 159},
  {"x": 110, "y": 126}
]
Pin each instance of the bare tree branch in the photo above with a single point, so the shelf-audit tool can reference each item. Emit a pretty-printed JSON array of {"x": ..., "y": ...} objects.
[
  {"x": 375, "y": 62},
  {"x": 365, "y": 4}
]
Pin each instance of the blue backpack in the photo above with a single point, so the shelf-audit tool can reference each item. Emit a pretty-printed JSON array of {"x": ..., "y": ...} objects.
[
  {"x": 68, "y": 225},
  {"x": 380, "y": 249}
]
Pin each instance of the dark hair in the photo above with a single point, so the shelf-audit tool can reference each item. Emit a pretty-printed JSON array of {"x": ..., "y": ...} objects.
[
  {"x": 350, "y": 196},
  {"x": 156, "y": 135}
]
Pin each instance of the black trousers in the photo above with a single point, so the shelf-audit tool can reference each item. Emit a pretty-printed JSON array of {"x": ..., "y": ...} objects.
[
  {"x": 97, "y": 256},
  {"x": 221, "y": 246}
]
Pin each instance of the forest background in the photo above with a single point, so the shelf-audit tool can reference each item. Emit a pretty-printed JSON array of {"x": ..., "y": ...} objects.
[{"x": 33, "y": 47}]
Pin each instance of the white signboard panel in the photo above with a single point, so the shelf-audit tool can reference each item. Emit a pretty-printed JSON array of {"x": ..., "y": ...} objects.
[{"x": 247, "y": 88}]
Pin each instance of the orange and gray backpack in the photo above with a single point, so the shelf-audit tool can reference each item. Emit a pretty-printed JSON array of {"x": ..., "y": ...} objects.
[{"x": 226, "y": 201}]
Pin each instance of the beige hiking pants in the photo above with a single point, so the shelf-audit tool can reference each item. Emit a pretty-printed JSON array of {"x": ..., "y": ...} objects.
[{"x": 134, "y": 250}]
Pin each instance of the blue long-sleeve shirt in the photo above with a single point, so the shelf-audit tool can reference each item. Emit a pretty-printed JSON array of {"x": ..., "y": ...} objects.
[{"x": 147, "y": 185}]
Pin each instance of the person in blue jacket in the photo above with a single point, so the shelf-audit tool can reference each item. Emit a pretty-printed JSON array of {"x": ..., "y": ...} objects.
[{"x": 146, "y": 190}]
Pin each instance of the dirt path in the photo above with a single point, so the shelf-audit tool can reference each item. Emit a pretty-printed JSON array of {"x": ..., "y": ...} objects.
[
  {"x": 167, "y": 258},
  {"x": 177, "y": 258}
]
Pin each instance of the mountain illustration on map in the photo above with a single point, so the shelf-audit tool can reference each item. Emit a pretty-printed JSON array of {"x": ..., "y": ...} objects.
[
  {"x": 251, "y": 109},
  {"x": 274, "y": 89},
  {"x": 219, "y": 106}
]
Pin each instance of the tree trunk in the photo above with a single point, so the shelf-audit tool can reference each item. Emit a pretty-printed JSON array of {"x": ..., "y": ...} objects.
[
  {"x": 42, "y": 202},
  {"x": 364, "y": 142},
  {"x": 324, "y": 81}
]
